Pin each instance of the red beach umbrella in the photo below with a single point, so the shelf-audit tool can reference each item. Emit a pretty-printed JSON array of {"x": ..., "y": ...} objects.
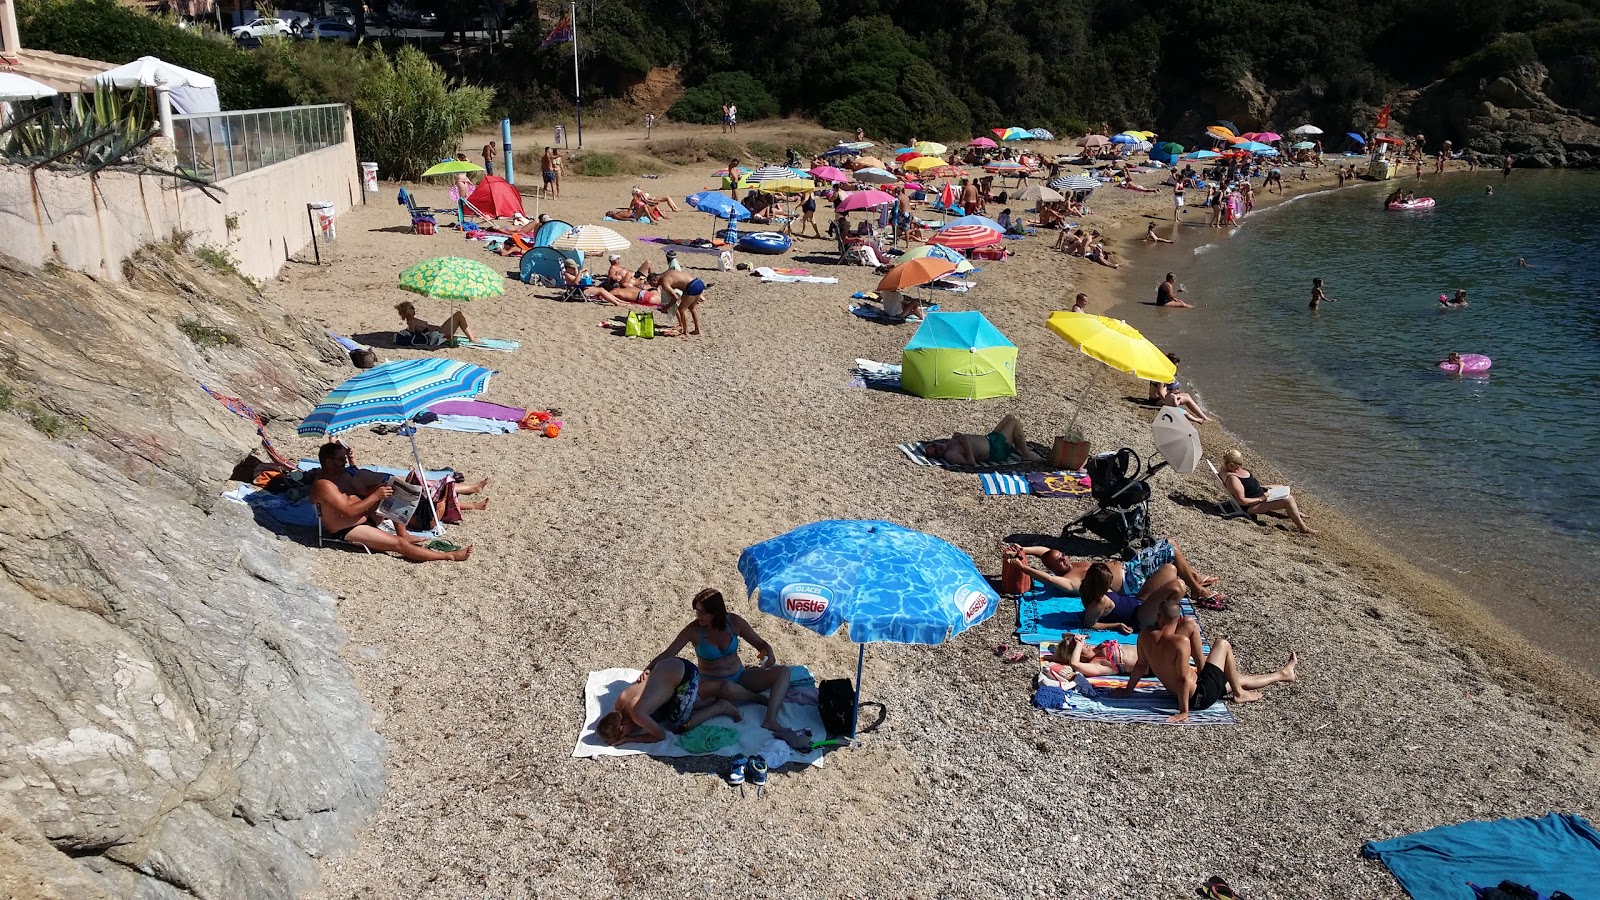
[{"x": 966, "y": 237}]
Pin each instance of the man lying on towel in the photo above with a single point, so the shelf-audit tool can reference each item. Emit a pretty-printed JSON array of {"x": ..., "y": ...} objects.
[
  {"x": 1172, "y": 651},
  {"x": 668, "y": 696},
  {"x": 1113, "y": 592},
  {"x": 997, "y": 446},
  {"x": 346, "y": 504}
]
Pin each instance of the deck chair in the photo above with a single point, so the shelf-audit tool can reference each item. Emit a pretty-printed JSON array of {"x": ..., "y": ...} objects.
[
  {"x": 1227, "y": 507},
  {"x": 323, "y": 538}
]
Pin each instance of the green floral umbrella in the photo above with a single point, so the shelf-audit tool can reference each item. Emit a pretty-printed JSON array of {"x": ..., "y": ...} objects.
[
  {"x": 453, "y": 278},
  {"x": 451, "y": 167}
]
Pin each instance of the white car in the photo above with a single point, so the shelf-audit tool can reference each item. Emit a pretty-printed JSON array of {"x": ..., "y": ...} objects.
[{"x": 261, "y": 28}]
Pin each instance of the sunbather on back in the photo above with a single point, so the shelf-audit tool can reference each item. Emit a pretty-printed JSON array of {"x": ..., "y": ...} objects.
[
  {"x": 1173, "y": 652},
  {"x": 1004, "y": 440},
  {"x": 346, "y": 504},
  {"x": 1161, "y": 566}
]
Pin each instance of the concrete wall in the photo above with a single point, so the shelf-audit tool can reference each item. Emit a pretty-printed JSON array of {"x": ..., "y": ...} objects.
[{"x": 93, "y": 223}]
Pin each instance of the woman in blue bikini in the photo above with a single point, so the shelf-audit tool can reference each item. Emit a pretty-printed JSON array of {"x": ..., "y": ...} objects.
[{"x": 715, "y": 635}]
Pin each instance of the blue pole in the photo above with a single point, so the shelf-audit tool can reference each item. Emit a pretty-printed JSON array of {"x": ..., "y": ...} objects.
[
  {"x": 505, "y": 142},
  {"x": 855, "y": 717}
]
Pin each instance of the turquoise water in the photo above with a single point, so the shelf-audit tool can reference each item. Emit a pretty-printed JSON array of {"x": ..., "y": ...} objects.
[{"x": 1491, "y": 481}]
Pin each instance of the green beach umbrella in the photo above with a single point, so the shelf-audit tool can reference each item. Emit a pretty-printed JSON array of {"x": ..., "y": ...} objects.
[
  {"x": 452, "y": 278},
  {"x": 452, "y": 166}
]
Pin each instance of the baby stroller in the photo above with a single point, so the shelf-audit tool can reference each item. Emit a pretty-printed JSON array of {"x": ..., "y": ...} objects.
[{"x": 1121, "y": 516}]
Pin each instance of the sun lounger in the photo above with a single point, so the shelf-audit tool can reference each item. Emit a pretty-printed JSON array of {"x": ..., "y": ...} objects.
[{"x": 1228, "y": 507}]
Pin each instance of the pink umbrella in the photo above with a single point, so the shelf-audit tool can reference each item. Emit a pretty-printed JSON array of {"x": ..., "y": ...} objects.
[
  {"x": 1267, "y": 137},
  {"x": 829, "y": 173},
  {"x": 983, "y": 142},
  {"x": 865, "y": 200},
  {"x": 966, "y": 237}
]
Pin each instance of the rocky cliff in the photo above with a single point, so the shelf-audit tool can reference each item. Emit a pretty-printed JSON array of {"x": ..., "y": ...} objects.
[
  {"x": 175, "y": 720},
  {"x": 1542, "y": 117}
]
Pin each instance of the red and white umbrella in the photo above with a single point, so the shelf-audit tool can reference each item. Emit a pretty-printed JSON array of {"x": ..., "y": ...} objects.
[{"x": 966, "y": 237}]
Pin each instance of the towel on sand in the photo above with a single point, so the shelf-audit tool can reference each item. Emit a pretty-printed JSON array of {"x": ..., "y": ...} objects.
[
  {"x": 473, "y": 425},
  {"x": 281, "y": 509},
  {"x": 768, "y": 275},
  {"x": 1058, "y": 484},
  {"x": 914, "y": 452},
  {"x": 1003, "y": 483},
  {"x": 882, "y": 376},
  {"x": 488, "y": 344},
  {"x": 307, "y": 465},
  {"x": 1549, "y": 854},
  {"x": 1090, "y": 700},
  {"x": 1043, "y": 614},
  {"x": 480, "y": 408},
  {"x": 601, "y": 692}
]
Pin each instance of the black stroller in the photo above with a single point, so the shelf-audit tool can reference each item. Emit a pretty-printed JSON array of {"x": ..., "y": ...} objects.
[{"x": 1121, "y": 516}]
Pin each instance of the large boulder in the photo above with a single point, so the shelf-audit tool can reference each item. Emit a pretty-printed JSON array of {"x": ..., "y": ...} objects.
[{"x": 175, "y": 720}]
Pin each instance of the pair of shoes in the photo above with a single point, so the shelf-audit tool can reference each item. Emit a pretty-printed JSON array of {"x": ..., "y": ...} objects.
[{"x": 754, "y": 766}]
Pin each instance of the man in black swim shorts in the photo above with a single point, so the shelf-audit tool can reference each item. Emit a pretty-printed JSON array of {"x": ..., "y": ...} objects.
[{"x": 1172, "y": 651}]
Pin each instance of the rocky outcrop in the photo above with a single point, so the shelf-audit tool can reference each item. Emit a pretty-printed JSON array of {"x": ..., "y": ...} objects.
[
  {"x": 175, "y": 720},
  {"x": 1517, "y": 114}
]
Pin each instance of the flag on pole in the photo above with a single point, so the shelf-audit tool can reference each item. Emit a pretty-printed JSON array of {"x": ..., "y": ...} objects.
[
  {"x": 560, "y": 34},
  {"x": 1383, "y": 118}
]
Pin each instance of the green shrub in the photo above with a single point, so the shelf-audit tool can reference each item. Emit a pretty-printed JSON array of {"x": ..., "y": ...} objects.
[
  {"x": 6, "y": 397},
  {"x": 408, "y": 114},
  {"x": 703, "y": 105},
  {"x": 202, "y": 335}
]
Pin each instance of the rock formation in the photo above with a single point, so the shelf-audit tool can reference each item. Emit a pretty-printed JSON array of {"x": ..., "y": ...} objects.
[
  {"x": 1523, "y": 113},
  {"x": 175, "y": 720}
]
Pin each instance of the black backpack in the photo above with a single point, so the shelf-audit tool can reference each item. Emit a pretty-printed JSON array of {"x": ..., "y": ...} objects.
[{"x": 836, "y": 702}]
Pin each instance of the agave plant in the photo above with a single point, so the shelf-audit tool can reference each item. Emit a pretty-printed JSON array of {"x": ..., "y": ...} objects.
[{"x": 93, "y": 131}]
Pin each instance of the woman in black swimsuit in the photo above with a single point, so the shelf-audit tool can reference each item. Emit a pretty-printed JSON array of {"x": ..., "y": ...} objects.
[{"x": 1251, "y": 495}]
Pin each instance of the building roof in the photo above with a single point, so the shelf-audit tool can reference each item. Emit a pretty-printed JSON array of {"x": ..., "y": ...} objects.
[{"x": 62, "y": 72}]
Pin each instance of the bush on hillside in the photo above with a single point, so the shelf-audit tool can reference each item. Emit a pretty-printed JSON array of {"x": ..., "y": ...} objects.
[
  {"x": 113, "y": 32},
  {"x": 703, "y": 105},
  {"x": 408, "y": 114}
]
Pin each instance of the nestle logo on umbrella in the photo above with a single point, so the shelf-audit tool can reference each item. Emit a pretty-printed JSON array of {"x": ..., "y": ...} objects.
[
  {"x": 805, "y": 603},
  {"x": 973, "y": 605}
]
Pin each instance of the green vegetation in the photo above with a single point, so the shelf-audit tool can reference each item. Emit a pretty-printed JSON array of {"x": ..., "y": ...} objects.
[
  {"x": 704, "y": 103},
  {"x": 105, "y": 128},
  {"x": 47, "y": 423},
  {"x": 203, "y": 335},
  {"x": 217, "y": 258}
]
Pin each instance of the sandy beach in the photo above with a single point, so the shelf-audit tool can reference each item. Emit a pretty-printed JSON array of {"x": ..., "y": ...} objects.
[{"x": 1412, "y": 709}]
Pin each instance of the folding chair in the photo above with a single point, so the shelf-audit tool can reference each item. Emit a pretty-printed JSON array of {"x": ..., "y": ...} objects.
[
  {"x": 1227, "y": 507},
  {"x": 323, "y": 538}
]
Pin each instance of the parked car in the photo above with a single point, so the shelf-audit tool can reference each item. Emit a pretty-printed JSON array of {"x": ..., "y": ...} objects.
[
  {"x": 412, "y": 18},
  {"x": 260, "y": 28},
  {"x": 331, "y": 30}
]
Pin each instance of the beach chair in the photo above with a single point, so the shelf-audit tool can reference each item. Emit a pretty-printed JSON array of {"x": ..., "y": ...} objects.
[
  {"x": 1227, "y": 507},
  {"x": 323, "y": 538}
]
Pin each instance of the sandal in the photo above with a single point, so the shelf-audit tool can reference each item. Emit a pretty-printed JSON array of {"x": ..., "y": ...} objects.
[
  {"x": 1217, "y": 601},
  {"x": 999, "y": 649},
  {"x": 1218, "y": 889},
  {"x": 1016, "y": 657}
]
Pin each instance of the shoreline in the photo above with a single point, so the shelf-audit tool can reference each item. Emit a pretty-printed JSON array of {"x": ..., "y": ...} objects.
[{"x": 1358, "y": 548}]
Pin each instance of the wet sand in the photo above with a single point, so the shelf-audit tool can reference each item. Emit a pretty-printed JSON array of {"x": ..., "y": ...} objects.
[{"x": 1409, "y": 712}]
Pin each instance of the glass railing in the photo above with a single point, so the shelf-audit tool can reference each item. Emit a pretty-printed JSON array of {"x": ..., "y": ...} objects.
[{"x": 214, "y": 146}]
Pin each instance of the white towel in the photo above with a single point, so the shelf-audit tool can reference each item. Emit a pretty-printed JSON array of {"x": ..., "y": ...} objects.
[
  {"x": 603, "y": 688},
  {"x": 768, "y": 275}
]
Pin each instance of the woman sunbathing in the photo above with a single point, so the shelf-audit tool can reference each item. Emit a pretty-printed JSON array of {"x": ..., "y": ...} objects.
[
  {"x": 652, "y": 202},
  {"x": 1254, "y": 497},
  {"x": 419, "y": 333},
  {"x": 998, "y": 446},
  {"x": 714, "y": 634}
]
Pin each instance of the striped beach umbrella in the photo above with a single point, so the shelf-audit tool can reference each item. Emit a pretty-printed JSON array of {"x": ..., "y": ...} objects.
[
  {"x": 769, "y": 173},
  {"x": 980, "y": 221},
  {"x": 592, "y": 239},
  {"x": 394, "y": 392},
  {"x": 966, "y": 237},
  {"x": 452, "y": 278},
  {"x": 1074, "y": 183}
]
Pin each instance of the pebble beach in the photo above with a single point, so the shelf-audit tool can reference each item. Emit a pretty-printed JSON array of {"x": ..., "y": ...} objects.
[{"x": 1412, "y": 709}]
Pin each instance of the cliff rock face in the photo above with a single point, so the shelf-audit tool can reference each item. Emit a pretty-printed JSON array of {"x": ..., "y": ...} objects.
[
  {"x": 1540, "y": 117},
  {"x": 175, "y": 720}
]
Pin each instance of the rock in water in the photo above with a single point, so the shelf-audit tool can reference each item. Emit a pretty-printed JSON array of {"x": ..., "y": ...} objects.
[{"x": 174, "y": 716}]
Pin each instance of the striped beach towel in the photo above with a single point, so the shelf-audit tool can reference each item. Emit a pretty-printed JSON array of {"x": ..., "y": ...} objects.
[
  {"x": 1003, "y": 483},
  {"x": 870, "y": 373}
]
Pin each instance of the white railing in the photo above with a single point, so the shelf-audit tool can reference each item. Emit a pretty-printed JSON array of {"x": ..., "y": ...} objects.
[{"x": 214, "y": 146}]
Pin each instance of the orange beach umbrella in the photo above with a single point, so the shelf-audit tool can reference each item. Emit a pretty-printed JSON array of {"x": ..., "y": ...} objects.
[{"x": 918, "y": 271}]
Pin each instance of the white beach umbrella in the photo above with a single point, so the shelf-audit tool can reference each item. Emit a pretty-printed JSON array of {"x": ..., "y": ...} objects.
[
  {"x": 591, "y": 239},
  {"x": 1039, "y": 192},
  {"x": 1176, "y": 440},
  {"x": 1306, "y": 129},
  {"x": 17, "y": 87},
  {"x": 771, "y": 173}
]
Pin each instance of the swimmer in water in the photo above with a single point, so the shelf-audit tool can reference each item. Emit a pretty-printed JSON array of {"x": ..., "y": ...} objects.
[
  {"x": 1454, "y": 362},
  {"x": 1460, "y": 299},
  {"x": 1523, "y": 263},
  {"x": 1317, "y": 296},
  {"x": 1489, "y": 191}
]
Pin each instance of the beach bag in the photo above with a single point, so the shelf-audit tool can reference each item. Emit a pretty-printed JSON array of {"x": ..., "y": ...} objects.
[
  {"x": 1014, "y": 579},
  {"x": 836, "y": 703},
  {"x": 363, "y": 358},
  {"x": 1069, "y": 455},
  {"x": 647, "y": 325},
  {"x": 423, "y": 225},
  {"x": 633, "y": 326}
]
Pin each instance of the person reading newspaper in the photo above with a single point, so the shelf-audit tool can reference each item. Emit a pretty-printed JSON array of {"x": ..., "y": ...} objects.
[{"x": 349, "y": 505}]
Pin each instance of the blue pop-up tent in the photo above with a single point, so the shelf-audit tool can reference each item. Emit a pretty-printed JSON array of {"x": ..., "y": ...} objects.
[{"x": 959, "y": 355}]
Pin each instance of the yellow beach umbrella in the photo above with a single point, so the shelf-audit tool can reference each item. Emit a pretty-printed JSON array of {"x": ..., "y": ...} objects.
[
  {"x": 929, "y": 148},
  {"x": 1115, "y": 343},
  {"x": 922, "y": 164},
  {"x": 1220, "y": 133}
]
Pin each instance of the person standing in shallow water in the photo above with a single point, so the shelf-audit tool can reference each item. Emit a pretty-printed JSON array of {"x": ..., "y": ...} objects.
[
  {"x": 1505, "y": 168},
  {"x": 1317, "y": 296}
]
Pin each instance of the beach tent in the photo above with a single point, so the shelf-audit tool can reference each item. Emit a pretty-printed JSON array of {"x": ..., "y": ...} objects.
[
  {"x": 959, "y": 356},
  {"x": 191, "y": 92},
  {"x": 495, "y": 198},
  {"x": 549, "y": 231}
]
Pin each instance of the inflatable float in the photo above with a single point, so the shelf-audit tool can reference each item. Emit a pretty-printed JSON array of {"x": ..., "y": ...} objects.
[
  {"x": 1471, "y": 364},
  {"x": 1419, "y": 203},
  {"x": 765, "y": 242}
]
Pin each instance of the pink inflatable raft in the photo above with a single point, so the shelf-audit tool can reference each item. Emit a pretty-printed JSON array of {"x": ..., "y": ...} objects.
[
  {"x": 1419, "y": 203},
  {"x": 1471, "y": 364}
]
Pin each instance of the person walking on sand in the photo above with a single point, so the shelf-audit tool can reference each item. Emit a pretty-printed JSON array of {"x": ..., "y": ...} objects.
[
  {"x": 970, "y": 202},
  {"x": 1167, "y": 294},
  {"x": 733, "y": 178},
  {"x": 1317, "y": 296},
  {"x": 1174, "y": 653},
  {"x": 1177, "y": 203},
  {"x": 733, "y": 117},
  {"x": 490, "y": 151},
  {"x": 724, "y": 117}
]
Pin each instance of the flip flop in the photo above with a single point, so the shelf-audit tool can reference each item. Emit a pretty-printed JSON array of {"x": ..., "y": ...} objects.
[
  {"x": 1217, "y": 888},
  {"x": 1217, "y": 601},
  {"x": 1016, "y": 657}
]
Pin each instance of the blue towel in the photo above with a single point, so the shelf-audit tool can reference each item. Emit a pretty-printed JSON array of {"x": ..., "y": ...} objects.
[
  {"x": 1553, "y": 853},
  {"x": 307, "y": 465},
  {"x": 1004, "y": 483},
  {"x": 1048, "y": 696}
]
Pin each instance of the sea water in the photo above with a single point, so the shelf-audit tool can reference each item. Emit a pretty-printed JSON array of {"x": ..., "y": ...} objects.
[{"x": 1492, "y": 481}]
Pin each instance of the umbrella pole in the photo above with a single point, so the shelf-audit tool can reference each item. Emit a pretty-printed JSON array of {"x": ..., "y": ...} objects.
[
  {"x": 422, "y": 475},
  {"x": 855, "y": 716},
  {"x": 1079, "y": 411}
]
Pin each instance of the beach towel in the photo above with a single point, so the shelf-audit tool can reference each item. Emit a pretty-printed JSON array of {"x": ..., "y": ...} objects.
[
  {"x": 1090, "y": 700},
  {"x": 1553, "y": 853},
  {"x": 472, "y": 425},
  {"x": 882, "y": 376},
  {"x": 1003, "y": 483},
  {"x": 1044, "y": 613},
  {"x": 344, "y": 342},
  {"x": 306, "y": 465},
  {"x": 769, "y": 276},
  {"x": 300, "y": 514},
  {"x": 600, "y": 696},
  {"x": 914, "y": 452},
  {"x": 488, "y": 344},
  {"x": 481, "y": 408},
  {"x": 1058, "y": 484},
  {"x": 876, "y": 314},
  {"x": 642, "y": 220},
  {"x": 685, "y": 245}
]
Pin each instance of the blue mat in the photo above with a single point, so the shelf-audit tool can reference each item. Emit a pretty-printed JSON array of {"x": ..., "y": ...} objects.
[{"x": 1554, "y": 853}]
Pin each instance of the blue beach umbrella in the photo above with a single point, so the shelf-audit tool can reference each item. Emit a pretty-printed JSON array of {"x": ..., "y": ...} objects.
[
  {"x": 840, "y": 152},
  {"x": 1124, "y": 139},
  {"x": 1202, "y": 154},
  {"x": 394, "y": 393},
  {"x": 980, "y": 221},
  {"x": 1355, "y": 137},
  {"x": 718, "y": 204},
  {"x": 887, "y": 582},
  {"x": 1042, "y": 134},
  {"x": 1254, "y": 147}
]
